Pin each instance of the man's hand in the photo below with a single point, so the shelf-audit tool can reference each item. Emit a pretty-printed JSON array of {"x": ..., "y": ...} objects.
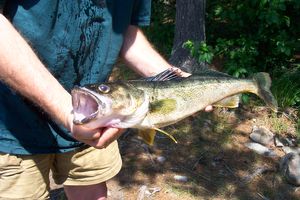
[{"x": 98, "y": 138}]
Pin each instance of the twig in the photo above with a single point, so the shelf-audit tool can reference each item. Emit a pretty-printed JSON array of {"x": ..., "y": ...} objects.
[
  {"x": 196, "y": 174},
  {"x": 146, "y": 148},
  {"x": 229, "y": 169},
  {"x": 262, "y": 196},
  {"x": 198, "y": 160},
  {"x": 258, "y": 171}
]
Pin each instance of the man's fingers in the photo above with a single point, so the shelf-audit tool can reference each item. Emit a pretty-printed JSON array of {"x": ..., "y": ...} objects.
[
  {"x": 80, "y": 132},
  {"x": 107, "y": 137},
  {"x": 208, "y": 108},
  {"x": 179, "y": 72}
]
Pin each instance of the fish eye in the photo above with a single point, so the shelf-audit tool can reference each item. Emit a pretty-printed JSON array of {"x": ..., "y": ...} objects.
[{"x": 103, "y": 88}]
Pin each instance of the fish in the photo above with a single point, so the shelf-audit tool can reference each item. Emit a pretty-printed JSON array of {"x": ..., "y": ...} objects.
[{"x": 151, "y": 104}]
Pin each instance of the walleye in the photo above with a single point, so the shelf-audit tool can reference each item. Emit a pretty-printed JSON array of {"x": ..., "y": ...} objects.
[{"x": 150, "y": 105}]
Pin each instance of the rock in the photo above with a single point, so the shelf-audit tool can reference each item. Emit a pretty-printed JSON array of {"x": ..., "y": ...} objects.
[
  {"x": 180, "y": 178},
  {"x": 295, "y": 150},
  {"x": 161, "y": 159},
  {"x": 260, "y": 149},
  {"x": 262, "y": 135},
  {"x": 278, "y": 143},
  {"x": 290, "y": 141},
  {"x": 257, "y": 172},
  {"x": 285, "y": 141},
  {"x": 290, "y": 168},
  {"x": 142, "y": 192},
  {"x": 145, "y": 192}
]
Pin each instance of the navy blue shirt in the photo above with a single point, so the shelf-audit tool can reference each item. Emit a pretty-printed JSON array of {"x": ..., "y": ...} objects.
[{"x": 78, "y": 41}]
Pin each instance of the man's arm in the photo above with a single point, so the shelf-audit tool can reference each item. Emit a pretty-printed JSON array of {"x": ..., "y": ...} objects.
[
  {"x": 22, "y": 71},
  {"x": 141, "y": 56}
]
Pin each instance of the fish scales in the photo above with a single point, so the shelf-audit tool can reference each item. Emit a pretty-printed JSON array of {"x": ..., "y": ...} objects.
[{"x": 188, "y": 95}]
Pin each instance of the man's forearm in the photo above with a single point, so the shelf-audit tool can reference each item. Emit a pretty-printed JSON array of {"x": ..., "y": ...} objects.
[
  {"x": 140, "y": 55},
  {"x": 21, "y": 70}
]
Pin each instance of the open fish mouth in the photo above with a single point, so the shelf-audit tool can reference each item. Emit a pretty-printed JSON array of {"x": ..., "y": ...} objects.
[{"x": 86, "y": 105}]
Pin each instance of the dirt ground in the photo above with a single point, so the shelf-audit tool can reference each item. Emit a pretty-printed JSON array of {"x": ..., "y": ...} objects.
[{"x": 210, "y": 160}]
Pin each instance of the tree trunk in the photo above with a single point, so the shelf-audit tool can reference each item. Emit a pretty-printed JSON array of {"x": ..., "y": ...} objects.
[{"x": 189, "y": 25}]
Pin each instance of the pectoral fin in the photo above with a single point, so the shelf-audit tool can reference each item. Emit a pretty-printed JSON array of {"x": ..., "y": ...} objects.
[
  {"x": 148, "y": 135},
  {"x": 229, "y": 102}
]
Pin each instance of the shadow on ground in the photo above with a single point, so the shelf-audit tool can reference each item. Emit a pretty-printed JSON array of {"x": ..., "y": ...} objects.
[{"x": 211, "y": 154}]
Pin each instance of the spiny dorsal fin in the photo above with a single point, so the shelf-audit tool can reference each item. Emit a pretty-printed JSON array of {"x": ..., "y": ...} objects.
[
  {"x": 169, "y": 74},
  {"x": 174, "y": 73}
]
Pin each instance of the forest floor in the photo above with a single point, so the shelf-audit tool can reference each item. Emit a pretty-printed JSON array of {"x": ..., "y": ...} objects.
[{"x": 210, "y": 160}]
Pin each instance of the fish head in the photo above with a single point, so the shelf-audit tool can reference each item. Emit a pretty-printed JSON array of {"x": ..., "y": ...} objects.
[{"x": 105, "y": 105}]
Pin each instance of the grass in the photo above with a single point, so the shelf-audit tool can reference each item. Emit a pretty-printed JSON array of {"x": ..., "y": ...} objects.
[
  {"x": 281, "y": 125},
  {"x": 286, "y": 89}
]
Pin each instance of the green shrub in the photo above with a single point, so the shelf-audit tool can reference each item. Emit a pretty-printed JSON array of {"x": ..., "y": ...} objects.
[
  {"x": 161, "y": 31},
  {"x": 254, "y": 35},
  {"x": 248, "y": 36},
  {"x": 286, "y": 88},
  {"x": 199, "y": 50}
]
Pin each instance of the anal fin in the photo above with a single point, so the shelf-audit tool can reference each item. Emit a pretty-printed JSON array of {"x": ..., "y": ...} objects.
[{"x": 229, "y": 102}]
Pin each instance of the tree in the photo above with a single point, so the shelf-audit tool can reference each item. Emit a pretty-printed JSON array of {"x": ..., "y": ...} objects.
[{"x": 189, "y": 25}]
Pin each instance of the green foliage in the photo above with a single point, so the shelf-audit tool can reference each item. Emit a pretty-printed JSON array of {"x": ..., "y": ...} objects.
[
  {"x": 247, "y": 36},
  {"x": 161, "y": 31},
  {"x": 200, "y": 50},
  {"x": 258, "y": 35},
  {"x": 245, "y": 99},
  {"x": 286, "y": 89},
  {"x": 254, "y": 35},
  {"x": 239, "y": 55}
]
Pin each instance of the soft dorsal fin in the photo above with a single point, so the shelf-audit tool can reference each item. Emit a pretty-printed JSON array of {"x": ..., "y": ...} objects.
[{"x": 207, "y": 72}]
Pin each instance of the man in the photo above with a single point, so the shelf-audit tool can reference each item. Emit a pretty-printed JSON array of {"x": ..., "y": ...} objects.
[{"x": 47, "y": 47}]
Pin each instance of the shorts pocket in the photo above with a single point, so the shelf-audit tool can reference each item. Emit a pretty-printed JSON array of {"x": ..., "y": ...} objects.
[{"x": 10, "y": 165}]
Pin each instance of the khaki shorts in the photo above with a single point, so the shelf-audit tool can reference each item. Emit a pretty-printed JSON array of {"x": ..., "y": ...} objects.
[{"x": 27, "y": 177}]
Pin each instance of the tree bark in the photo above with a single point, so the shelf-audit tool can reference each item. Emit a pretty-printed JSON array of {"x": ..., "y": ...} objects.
[{"x": 189, "y": 25}]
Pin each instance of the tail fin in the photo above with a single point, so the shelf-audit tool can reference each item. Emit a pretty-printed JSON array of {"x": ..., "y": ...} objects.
[{"x": 263, "y": 81}]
